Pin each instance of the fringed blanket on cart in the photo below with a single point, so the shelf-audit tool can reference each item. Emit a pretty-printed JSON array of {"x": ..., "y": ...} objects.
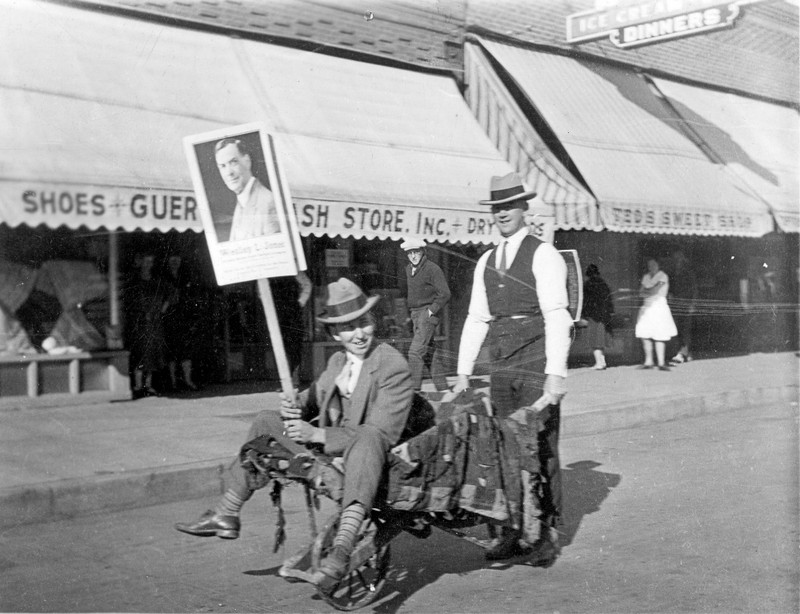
[{"x": 468, "y": 460}]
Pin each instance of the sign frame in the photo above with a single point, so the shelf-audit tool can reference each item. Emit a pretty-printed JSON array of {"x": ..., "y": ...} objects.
[
  {"x": 276, "y": 254},
  {"x": 574, "y": 282}
]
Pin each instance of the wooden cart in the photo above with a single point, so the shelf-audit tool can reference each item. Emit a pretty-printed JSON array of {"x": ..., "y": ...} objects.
[{"x": 469, "y": 469}]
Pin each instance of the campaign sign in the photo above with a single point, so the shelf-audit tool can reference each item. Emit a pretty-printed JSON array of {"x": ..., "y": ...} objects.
[{"x": 244, "y": 204}]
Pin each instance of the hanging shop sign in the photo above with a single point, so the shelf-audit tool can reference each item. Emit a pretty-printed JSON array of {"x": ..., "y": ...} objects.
[
  {"x": 337, "y": 258},
  {"x": 633, "y": 24}
]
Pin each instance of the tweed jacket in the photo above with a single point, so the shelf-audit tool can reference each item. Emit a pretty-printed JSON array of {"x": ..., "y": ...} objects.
[{"x": 381, "y": 398}]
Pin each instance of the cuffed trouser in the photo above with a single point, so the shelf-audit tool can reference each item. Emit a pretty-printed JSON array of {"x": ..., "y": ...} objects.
[
  {"x": 421, "y": 354},
  {"x": 364, "y": 461},
  {"x": 265, "y": 423},
  {"x": 518, "y": 381},
  {"x": 364, "y": 466}
]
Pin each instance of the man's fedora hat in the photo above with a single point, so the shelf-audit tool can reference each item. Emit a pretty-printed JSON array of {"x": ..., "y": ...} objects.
[
  {"x": 506, "y": 189},
  {"x": 410, "y": 244},
  {"x": 346, "y": 302}
]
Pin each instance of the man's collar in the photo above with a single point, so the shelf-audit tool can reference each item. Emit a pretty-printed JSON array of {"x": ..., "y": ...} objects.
[
  {"x": 353, "y": 358},
  {"x": 517, "y": 237},
  {"x": 245, "y": 195},
  {"x": 417, "y": 267}
]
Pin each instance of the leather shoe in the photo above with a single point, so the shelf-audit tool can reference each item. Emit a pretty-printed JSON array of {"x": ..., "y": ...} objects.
[
  {"x": 212, "y": 524},
  {"x": 507, "y": 546},
  {"x": 544, "y": 553}
]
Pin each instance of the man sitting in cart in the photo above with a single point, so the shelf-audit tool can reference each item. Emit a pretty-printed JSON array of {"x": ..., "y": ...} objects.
[{"x": 360, "y": 403}]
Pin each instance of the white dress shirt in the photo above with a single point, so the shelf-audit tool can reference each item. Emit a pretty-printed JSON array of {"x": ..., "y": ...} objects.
[
  {"x": 356, "y": 362},
  {"x": 550, "y": 272}
]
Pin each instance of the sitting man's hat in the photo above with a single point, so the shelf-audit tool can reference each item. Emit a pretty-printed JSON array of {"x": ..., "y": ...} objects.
[
  {"x": 410, "y": 244},
  {"x": 346, "y": 302},
  {"x": 506, "y": 189}
]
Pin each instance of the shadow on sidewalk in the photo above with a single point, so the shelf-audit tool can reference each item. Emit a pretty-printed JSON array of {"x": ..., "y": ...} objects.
[{"x": 584, "y": 490}]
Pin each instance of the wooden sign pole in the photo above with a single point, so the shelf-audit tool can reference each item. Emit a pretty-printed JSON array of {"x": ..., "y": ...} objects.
[{"x": 265, "y": 292}]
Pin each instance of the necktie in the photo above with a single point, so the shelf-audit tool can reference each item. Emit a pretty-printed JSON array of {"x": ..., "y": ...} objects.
[{"x": 502, "y": 267}]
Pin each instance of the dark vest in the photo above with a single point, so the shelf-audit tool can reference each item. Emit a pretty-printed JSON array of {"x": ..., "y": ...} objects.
[{"x": 513, "y": 294}]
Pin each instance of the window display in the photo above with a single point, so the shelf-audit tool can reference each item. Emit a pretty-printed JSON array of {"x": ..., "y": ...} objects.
[{"x": 60, "y": 306}]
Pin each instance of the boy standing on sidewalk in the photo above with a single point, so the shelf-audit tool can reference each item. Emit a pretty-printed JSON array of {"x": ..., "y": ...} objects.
[{"x": 428, "y": 293}]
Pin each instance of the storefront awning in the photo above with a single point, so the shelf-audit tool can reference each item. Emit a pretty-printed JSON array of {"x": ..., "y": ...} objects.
[
  {"x": 570, "y": 204},
  {"x": 759, "y": 141},
  {"x": 646, "y": 173},
  {"x": 95, "y": 107}
]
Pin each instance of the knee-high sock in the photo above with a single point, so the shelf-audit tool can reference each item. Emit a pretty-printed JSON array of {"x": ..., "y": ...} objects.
[
  {"x": 349, "y": 524},
  {"x": 232, "y": 502}
]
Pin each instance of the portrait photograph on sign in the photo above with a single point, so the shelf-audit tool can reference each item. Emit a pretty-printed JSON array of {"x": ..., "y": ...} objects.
[{"x": 244, "y": 203}]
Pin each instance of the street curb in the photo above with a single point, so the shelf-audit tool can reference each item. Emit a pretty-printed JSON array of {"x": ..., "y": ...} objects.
[
  {"x": 65, "y": 499},
  {"x": 670, "y": 408}
]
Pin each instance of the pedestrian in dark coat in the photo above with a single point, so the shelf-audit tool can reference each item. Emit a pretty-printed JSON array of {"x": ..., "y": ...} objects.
[
  {"x": 145, "y": 304},
  {"x": 598, "y": 309},
  {"x": 180, "y": 322},
  {"x": 428, "y": 293}
]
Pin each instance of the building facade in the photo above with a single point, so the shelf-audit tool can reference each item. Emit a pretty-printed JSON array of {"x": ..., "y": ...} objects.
[{"x": 391, "y": 122}]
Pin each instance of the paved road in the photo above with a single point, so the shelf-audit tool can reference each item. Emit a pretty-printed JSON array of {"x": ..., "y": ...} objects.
[{"x": 694, "y": 515}]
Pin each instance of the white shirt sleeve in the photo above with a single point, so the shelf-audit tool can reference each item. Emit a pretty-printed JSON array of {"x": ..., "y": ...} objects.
[
  {"x": 550, "y": 272},
  {"x": 476, "y": 325}
]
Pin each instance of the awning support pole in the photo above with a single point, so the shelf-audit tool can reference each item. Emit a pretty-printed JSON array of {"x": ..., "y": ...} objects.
[{"x": 113, "y": 278}]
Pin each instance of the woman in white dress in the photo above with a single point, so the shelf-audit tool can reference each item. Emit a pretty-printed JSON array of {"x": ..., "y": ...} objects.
[{"x": 654, "y": 324}]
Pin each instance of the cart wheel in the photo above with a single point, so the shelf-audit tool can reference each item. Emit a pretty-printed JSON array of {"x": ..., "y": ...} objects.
[{"x": 366, "y": 575}]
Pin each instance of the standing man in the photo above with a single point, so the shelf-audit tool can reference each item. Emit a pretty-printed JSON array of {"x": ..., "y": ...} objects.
[
  {"x": 428, "y": 293},
  {"x": 255, "y": 214},
  {"x": 682, "y": 298},
  {"x": 519, "y": 303},
  {"x": 360, "y": 404}
]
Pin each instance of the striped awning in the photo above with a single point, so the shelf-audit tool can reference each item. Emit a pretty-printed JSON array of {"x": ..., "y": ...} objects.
[
  {"x": 632, "y": 150},
  {"x": 569, "y": 203}
]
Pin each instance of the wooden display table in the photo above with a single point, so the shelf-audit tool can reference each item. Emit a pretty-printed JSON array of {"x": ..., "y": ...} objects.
[{"x": 66, "y": 379}]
